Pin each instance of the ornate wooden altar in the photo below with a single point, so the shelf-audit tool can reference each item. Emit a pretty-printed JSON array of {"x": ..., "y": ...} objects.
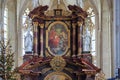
[{"x": 58, "y": 46}]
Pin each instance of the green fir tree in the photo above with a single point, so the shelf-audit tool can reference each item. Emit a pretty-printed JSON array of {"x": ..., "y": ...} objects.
[{"x": 6, "y": 61}]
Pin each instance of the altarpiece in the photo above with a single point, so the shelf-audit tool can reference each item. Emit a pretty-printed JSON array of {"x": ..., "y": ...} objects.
[{"x": 58, "y": 46}]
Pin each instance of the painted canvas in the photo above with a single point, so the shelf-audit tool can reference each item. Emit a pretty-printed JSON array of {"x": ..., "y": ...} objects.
[
  {"x": 57, "y": 76},
  {"x": 58, "y": 39}
]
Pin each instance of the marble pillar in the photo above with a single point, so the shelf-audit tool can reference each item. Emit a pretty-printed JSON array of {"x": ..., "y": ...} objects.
[
  {"x": 79, "y": 41},
  {"x": 41, "y": 40},
  {"x": 35, "y": 42},
  {"x": 74, "y": 26}
]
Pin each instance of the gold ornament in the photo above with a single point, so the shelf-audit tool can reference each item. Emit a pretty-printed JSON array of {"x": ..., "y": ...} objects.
[{"x": 58, "y": 63}]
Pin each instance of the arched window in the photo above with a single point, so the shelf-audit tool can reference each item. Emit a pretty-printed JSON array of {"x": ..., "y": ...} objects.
[
  {"x": 5, "y": 24},
  {"x": 89, "y": 33},
  {"x": 4, "y": 28},
  {"x": 27, "y": 33}
]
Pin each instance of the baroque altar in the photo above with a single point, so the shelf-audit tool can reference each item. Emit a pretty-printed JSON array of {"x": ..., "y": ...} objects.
[{"x": 58, "y": 46}]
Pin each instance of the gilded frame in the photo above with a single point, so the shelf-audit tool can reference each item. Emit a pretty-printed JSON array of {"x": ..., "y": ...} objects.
[{"x": 68, "y": 37}]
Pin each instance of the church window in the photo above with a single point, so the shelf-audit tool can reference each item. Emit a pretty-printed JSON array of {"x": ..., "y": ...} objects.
[
  {"x": 89, "y": 34},
  {"x": 5, "y": 24}
]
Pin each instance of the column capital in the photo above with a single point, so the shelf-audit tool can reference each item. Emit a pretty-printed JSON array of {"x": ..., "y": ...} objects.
[
  {"x": 41, "y": 25},
  {"x": 74, "y": 25},
  {"x": 79, "y": 23},
  {"x": 35, "y": 24}
]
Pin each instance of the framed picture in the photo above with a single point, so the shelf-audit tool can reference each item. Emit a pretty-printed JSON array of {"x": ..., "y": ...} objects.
[
  {"x": 57, "y": 76},
  {"x": 58, "y": 38}
]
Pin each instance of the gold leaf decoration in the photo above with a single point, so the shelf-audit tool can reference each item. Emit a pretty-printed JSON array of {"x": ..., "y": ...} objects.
[{"x": 58, "y": 63}]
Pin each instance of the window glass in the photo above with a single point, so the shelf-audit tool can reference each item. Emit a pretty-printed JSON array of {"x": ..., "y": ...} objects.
[
  {"x": 89, "y": 33},
  {"x": 5, "y": 24}
]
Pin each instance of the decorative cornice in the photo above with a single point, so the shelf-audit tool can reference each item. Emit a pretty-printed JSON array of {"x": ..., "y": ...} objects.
[
  {"x": 77, "y": 11},
  {"x": 38, "y": 11}
]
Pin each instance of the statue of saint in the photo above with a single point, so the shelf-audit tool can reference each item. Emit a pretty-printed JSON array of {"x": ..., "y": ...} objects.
[
  {"x": 28, "y": 41},
  {"x": 86, "y": 40}
]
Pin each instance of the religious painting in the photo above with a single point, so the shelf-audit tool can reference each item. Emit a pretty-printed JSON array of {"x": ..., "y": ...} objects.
[
  {"x": 57, "y": 76},
  {"x": 58, "y": 39}
]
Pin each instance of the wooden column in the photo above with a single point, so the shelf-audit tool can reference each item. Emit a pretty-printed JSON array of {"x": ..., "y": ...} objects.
[
  {"x": 35, "y": 44},
  {"x": 41, "y": 39}
]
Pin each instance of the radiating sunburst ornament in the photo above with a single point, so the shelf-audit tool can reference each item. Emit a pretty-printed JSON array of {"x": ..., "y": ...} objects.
[{"x": 58, "y": 63}]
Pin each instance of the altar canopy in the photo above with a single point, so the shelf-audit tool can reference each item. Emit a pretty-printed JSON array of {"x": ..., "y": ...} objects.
[{"x": 58, "y": 45}]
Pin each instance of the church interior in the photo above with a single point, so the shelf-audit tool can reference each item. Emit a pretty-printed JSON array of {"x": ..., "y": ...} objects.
[{"x": 59, "y": 39}]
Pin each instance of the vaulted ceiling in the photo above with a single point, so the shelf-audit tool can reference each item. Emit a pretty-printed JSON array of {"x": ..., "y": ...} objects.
[
  {"x": 52, "y": 3},
  {"x": 23, "y": 4}
]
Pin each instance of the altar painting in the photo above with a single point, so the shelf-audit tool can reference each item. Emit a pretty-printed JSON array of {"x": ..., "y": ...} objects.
[
  {"x": 58, "y": 39},
  {"x": 57, "y": 76}
]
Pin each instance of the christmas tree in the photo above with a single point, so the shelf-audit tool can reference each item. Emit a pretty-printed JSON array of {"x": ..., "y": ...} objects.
[{"x": 6, "y": 61}]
